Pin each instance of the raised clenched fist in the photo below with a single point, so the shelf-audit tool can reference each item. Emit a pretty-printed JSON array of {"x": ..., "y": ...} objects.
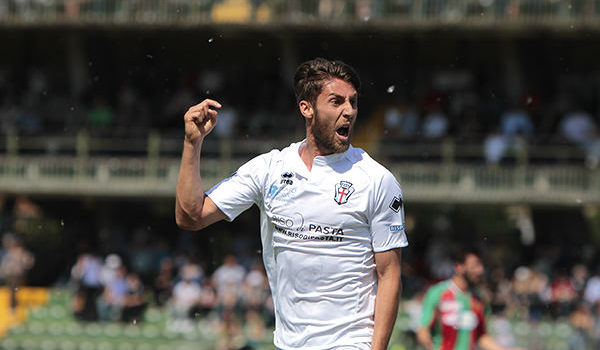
[{"x": 200, "y": 120}]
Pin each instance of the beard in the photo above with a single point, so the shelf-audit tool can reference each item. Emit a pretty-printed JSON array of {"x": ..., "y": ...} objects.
[
  {"x": 472, "y": 281},
  {"x": 325, "y": 136}
]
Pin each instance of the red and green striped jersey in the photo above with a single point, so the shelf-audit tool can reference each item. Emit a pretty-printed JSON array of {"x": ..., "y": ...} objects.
[{"x": 455, "y": 318}]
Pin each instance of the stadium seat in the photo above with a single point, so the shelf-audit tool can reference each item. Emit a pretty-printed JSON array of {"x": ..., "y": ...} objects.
[{"x": 235, "y": 11}]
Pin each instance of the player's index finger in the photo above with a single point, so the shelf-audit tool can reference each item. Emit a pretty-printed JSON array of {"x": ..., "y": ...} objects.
[
  {"x": 206, "y": 103},
  {"x": 212, "y": 103}
]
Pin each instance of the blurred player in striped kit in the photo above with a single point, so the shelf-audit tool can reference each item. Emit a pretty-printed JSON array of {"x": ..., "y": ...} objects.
[{"x": 454, "y": 314}]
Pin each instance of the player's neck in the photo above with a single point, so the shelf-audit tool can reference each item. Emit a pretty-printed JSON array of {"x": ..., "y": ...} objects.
[
  {"x": 461, "y": 283},
  {"x": 309, "y": 150},
  {"x": 307, "y": 155}
]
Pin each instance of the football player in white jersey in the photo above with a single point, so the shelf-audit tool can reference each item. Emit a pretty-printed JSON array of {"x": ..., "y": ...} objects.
[{"x": 332, "y": 219}]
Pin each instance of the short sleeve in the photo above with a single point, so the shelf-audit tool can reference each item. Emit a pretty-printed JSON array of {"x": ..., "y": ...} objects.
[
  {"x": 242, "y": 189},
  {"x": 430, "y": 302},
  {"x": 387, "y": 216}
]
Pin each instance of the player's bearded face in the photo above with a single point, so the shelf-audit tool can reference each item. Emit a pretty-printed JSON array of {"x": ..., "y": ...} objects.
[
  {"x": 334, "y": 116},
  {"x": 473, "y": 270},
  {"x": 326, "y": 136}
]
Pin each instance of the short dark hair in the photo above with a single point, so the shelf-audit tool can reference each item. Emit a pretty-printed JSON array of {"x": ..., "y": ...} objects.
[
  {"x": 310, "y": 76},
  {"x": 459, "y": 254}
]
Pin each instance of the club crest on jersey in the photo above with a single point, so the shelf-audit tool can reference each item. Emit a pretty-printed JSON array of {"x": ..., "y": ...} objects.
[{"x": 343, "y": 191}]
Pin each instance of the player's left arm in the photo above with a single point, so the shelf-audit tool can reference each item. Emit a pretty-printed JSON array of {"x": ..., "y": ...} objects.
[{"x": 388, "y": 291}]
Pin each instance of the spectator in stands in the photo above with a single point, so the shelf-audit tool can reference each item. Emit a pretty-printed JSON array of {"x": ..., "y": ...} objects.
[
  {"x": 133, "y": 303},
  {"x": 140, "y": 255},
  {"x": 502, "y": 290},
  {"x": 401, "y": 121},
  {"x": 86, "y": 275},
  {"x": 529, "y": 287},
  {"x": 228, "y": 280},
  {"x": 582, "y": 322},
  {"x": 229, "y": 276},
  {"x": 100, "y": 116},
  {"x": 522, "y": 278},
  {"x": 579, "y": 276},
  {"x": 563, "y": 295},
  {"x": 578, "y": 127},
  {"x": 515, "y": 122},
  {"x": 494, "y": 147},
  {"x": 184, "y": 301},
  {"x": 591, "y": 293},
  {"x": 16, "y": 261},
  {"x": 538, "y": 295},
  {"x": 108, "y": 271},
  {"x": 435, "y": 124},
  {"x": 164, "y": 281},
  {"x": 255, "y": 289},
  {"x": 208, "y": 298},
  {"x": 112, "y": 299},
  {"x": 191, "y": 270}
]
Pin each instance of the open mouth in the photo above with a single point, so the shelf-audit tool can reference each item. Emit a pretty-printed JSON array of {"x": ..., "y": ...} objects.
[{"x": 343, "y": 131}]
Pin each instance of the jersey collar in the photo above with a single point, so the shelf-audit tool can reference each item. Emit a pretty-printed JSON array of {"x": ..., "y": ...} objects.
[{"x": 328, "y": 159}]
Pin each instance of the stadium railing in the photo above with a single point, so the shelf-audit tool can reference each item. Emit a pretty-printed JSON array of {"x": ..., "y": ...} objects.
[
  {"x": 149, "y": 168},
  {"x": 388, "y": 13}
]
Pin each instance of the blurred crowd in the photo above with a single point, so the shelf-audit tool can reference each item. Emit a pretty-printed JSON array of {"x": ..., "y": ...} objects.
[
  {"x": 234, "y": 300},
  {"x": 43, "y": 106},
  {"x": 452, "y": 107},
  {"x": 235, "y": 297},
  {"x": 502, "y": 129}
]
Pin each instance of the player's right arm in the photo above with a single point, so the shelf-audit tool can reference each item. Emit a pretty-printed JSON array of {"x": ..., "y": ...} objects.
[
  {"x": 424, "y": 337},
  {"x": 193, "y": 209}
]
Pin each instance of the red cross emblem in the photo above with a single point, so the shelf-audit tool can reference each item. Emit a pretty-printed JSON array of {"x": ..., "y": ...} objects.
[{"x": 343, "y": 191}]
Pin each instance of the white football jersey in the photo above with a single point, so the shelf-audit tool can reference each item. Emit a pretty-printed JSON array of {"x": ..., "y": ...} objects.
[{"x": 319, "y": 231}]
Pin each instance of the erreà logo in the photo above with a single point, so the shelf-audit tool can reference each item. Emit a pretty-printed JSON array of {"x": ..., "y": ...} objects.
[
  {"x": 343, "y": 191},
  {"x": 286, "y": 178}
]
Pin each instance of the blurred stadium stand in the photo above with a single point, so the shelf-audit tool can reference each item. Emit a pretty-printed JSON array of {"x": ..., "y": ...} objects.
[
  {"x": 45, "y": 151},
  {"x": 386, "y": 14}
]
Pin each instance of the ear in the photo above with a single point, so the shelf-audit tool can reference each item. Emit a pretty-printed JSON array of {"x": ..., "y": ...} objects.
[{"x": 306, "y": 109}]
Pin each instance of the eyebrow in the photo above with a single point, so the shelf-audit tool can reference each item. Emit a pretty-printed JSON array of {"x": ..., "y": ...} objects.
[{"x": 342, "y": 96}]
